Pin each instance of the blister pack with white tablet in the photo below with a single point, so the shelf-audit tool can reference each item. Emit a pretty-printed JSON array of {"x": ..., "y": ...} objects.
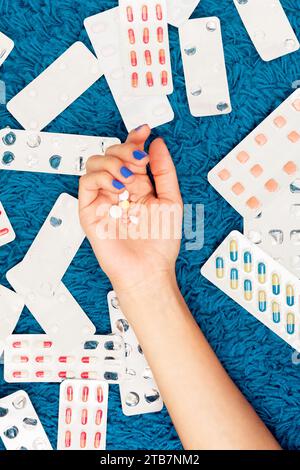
[
  {"x": 268, "y": 27},
  {"x": 138, "y": 390},
  {"x": 7, "y": 234},
  {"x": 20, "y": 427},
  {"x": 103, "y": 31},
  {"x": 45, "y": 152},
  {"x": 277, "y": 229},
  {"x": 11, "y": 306},
  {"x": 53, "y": 249},
  {"x": 6, "y": 46},
  {"x": 82, "y": 419},
  {"x": 265, "y": 162},
  {"x": 204, "y": 67},
  {"x": 36, "y": 358},
  {"x": 258, "y": 283},
  {"x": 48, "y": 95},
  {"x": 145, "y": 47},
  {"x": 179, "y": 11}
]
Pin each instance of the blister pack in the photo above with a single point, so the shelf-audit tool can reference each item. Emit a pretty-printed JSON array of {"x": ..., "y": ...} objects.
[
  {"x": 138, "y": 390},
  {"x": 278, "y": 231},
  {"x": 179, "y": 11},
  {"x": 103, "y": 31},
  {"x": 11, "y": 306},
  {"x": 46, "y": 152},
  {"x": 145, "y": 47},
  {"x": 36, "y": 358},
  {"x": 20, "y": 427},
  {"x": 6, "y": 46},
  {"x": 52, "y": 251},
  {"x": 256, "y": 170},
  {"x": 82, "y": 415},
  {"x": 48, "y": 95},
  {"x": 258, "y": 283},
  {"x": 268, "y": 27},
  {"x": 7, "y": 234},
  {"x": 204, "y": 67}
]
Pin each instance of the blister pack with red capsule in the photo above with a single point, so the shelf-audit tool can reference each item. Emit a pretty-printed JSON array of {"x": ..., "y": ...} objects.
[
  {"x": 7, "y": 234},
  {"x": 82, "y": 415},
  {"x": 36, "y": 358},
  {"x": 145, "y": 47},
  {"x": 138, "y": 389},
  {"x": 20, "y": 427}
]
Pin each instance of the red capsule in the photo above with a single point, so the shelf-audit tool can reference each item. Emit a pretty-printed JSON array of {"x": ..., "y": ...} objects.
[
  {"x": 23, "y": 359},
  {"x": 68, "y": 416},
  {"x": 160, "y": 34},
  {"x": 97, "y": 440},
  {"x": 39, "y": 359},
  {"x": 134, "y": 80},
  {"x": 63, "y": 359},
  {"x": 148, "y": 57},
  {"x": 133, "y": 58},
  {"x": 4, "y": 231},
  {"x": 146, "y": 35},
  {"x": 99, "y": 394},
  {"x": 145, "y": 13},
  {"x": 83, "y": 440},
  {"x": 159, "y": 13},
  {"x": 131, "y": 36},
  {"x": 129, "y": 12},
  {"x": 85, "y": 394},
  {"x": 19, "y": 374},
  {"x": 17, "y": 344},
  {"x": 98, "y": 418},
  {"x": 164, "y": 78},
  {"x": 47, "y": 344},
  {"x": 149, "y": 78},
  {"x": 162, "y": 56},
  {"x": 69, "y": 393},
  {"x": 84, "y": 416},
  {"x": 68, "y": 439},
  {"x": 40, "y": 374}
]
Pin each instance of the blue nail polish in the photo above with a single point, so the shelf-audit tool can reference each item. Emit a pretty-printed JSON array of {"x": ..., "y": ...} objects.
[
  {"x": 117, "y": 184},
  {"x": 125, "y": 172},
  {"x": 139, "y": 154}
]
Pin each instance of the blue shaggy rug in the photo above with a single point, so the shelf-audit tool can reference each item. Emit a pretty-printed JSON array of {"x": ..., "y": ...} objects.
[{"x": 258, "y": 361}]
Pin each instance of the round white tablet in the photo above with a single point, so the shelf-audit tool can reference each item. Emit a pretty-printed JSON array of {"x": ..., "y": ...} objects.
[
  {"x": 133, "y": 219},
  {"x": 124, "y": 196},
  {"x": 115, "y": 212}
]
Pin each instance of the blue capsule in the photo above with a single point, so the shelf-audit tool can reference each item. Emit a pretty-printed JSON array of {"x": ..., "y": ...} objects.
[
  {"x": 233, "y": 249},
  {"x": 7, "y": 158},
  {"x": 275, "y": 284},
  {"x": 247, "y": 262},
  {"x": 55, "y": 161},
  {"x": 9, "y": 139},
  {"x": 234, "y": 278},
  {"x": 290, "y": 297},
  {"x": 248, "y": 289},
  {"x": 219, "y": 267},
  {"x": 262, "y": 301},
  {"x": 261, "y": 270},
  {"x": 290, "y": 323},
  {"x": 276, "y": 312}
]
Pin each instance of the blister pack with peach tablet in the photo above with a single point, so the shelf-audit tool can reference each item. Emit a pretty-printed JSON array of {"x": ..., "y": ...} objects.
[{"x": 252, "y": 175}]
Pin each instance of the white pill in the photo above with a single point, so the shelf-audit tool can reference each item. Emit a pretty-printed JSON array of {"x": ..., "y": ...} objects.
[
  {"x": 133, "y": 219},
  {"x": 124, "y": 196},
  {"x": 115, "y": 212}
]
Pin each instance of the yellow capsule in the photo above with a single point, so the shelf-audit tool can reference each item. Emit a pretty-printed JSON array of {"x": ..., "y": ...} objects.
[
  {"x": 248, "y": 289},
  {"x": 124, "y": 204},
  {"x": 247, "y": 262},
  {"x": 233, "y": 248},
  {"x": 234, "y": 278},
  {"x": 290, "y": 297},
  {"x": 275, "y": 284},
  {"x": 219, "y": 267},
  {"x": 262, "y": 301},
  {"x": 290, "y": 323},
  {"x": 276, "y": 312},
  {"x": 261, "y": 270}
]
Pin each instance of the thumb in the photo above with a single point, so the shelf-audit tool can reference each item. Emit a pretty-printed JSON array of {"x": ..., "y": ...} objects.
[
  {"x": 163, "y": 171},
  {"x": 139, "y": 136}
]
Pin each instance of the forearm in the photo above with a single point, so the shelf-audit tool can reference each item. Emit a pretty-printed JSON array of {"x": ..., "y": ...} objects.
[{"x": 207, "y": 409}]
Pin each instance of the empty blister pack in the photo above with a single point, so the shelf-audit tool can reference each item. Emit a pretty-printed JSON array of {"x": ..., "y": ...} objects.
[
  {"x": 11, "y": 306},
  {"x": 138, "y": 390},
  {"x": 258, "y": 283},
  {"x": 204, "y": 67},
  {"x": 278, "y": 231},
  {"x": 7, "y": 234},
  {"x": 256, "y": 170},
  {"x": 56, "y": 88},
  {"x": 20, "y": 427},
  {"x": 47, "y": 152},
  {"x": 82, "y": 415},
  {"x": 268, "y": 27},
  {"x": 6, "y": 46},
  {"x": 103, "y": 31},
  {"x": 145, "y": 47},
  {"x": 52, "y": 251},
  {"x": 36, "y": 358},
  {"x": 179, "y": 11}
]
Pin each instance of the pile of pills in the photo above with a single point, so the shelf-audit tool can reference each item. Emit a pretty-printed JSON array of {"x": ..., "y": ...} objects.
[{"x": 121, "y": 211}]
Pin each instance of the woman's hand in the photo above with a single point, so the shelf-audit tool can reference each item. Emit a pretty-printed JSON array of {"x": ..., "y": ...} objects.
[{"x": 133, "y": 255}]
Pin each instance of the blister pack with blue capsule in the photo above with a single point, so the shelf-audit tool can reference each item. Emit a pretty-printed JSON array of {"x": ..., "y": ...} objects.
[
  {"x": 259, "y": 284},
  {"x": 20, "y": 427}
]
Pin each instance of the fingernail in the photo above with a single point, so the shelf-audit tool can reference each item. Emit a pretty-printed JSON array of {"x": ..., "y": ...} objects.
[
  {"x": 117, "y": 184},
  {"x": 125, "y": 172},
  {"x": 139, "y": 127},
  {"x": 139, "y": 154}
]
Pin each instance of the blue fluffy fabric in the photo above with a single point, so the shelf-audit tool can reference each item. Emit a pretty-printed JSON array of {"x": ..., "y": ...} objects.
[{"x": 258, "y": 361}]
